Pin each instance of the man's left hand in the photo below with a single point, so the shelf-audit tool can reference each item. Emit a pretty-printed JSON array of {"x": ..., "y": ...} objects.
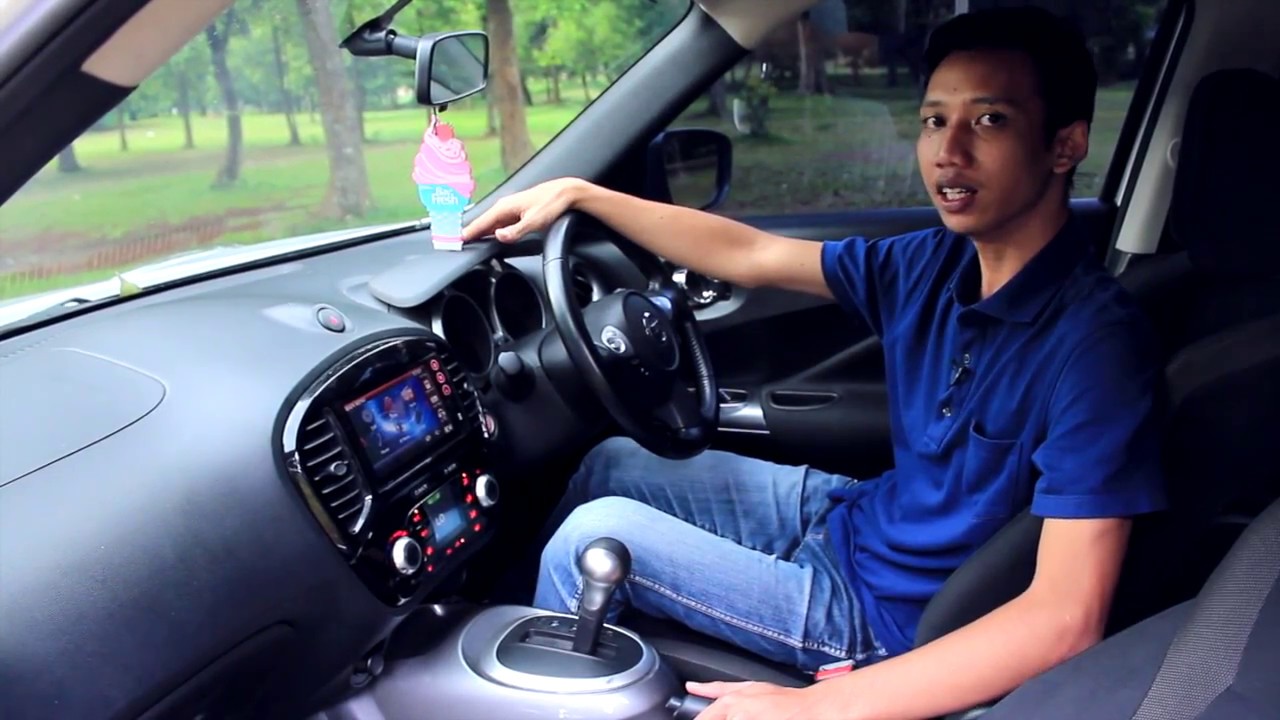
[{"x": 761, "y": 701}]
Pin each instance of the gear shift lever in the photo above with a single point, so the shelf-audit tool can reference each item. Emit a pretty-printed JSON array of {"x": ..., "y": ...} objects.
[{"x": 604, "y": 564}]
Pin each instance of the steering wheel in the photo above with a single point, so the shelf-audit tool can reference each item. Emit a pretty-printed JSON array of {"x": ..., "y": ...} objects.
[{"x": 642, "y": 354}]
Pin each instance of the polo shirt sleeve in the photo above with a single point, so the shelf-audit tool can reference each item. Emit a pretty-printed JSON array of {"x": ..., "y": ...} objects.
[
  {"x": 869, "y": 276},
  {"x": 1101, "y": 453}
]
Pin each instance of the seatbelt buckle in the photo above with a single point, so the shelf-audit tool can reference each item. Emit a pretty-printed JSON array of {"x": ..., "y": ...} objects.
[{"x": 834, "y": 669}]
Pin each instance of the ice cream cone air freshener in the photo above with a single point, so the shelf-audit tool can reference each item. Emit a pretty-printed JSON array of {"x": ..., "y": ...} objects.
[{"x": 445, "y": 182}]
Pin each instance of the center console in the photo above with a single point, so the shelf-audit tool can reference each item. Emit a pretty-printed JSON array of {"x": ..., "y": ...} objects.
[
  {"x": 387, "y": 447},
  {"x": 514, "y": 661}
]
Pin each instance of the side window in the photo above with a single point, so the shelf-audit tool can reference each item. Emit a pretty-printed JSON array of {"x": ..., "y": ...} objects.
[{"x": 824, "y": 115}]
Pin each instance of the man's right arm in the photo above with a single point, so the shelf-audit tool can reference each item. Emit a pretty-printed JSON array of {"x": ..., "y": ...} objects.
[{"x": 703, "y": 242}]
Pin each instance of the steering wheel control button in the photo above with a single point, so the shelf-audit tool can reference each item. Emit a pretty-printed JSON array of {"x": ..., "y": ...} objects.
[
  {"x": 330, "y": 319},
  {"x": 613, "y": 338},
  {"x": 487, "y": 490},
  {"x": 653, "y": 328},
  {"x": 406, "y": 555}
]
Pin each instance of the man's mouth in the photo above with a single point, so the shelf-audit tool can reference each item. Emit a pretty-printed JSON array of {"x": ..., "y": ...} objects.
[{"x": 955, "y": 192}]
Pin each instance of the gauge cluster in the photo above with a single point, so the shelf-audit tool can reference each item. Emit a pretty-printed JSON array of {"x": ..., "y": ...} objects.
[{"x": 494, "y": 305}]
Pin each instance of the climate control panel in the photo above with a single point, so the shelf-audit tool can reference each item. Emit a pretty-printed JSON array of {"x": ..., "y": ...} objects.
[{"x": 440, "y": 525}]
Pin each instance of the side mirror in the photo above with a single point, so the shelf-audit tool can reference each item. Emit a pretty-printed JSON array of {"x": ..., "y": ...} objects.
[
  {"x": 450, "y": 66},
  {"x": 690, "y": 167}
]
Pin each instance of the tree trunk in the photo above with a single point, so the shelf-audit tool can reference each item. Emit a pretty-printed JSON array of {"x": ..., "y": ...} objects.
[
  {"x": 504, "y": 78},
  {"x": 217, "y": 38},
  {"x": 184, "y": 109},
  {"x": 282, "y": 72},
  {"x": 124, "y": 141},
  {"x": 491, "y": 110},
  {"x": 555, "y": 84},
  {"x": 524, "y": 88},
  {"x": 586, "y": 92},
  {"x": 718, "y": 100},
  {"x": 67, "y": 161},
  {"x": 348, "y": 193},
  {"x": 550, "y": 81},
  {"x": 362, "y": 102}
]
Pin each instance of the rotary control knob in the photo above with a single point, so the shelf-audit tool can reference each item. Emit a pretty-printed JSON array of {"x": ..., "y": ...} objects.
[
  {"x": 487, "y": 490},
  {"x": 406, "y": 555}
]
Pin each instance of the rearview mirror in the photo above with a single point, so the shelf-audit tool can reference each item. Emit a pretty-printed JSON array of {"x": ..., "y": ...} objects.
[
  {"x": 690, "y": 167},
  {"x": 451, "y": 66}
]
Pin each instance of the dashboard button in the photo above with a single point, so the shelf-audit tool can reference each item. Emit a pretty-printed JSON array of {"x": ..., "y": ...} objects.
[{"x": 330, "y": 319}]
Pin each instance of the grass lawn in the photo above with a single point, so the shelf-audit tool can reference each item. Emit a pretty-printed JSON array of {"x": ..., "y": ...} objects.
[{"x": 156, "y": 199}]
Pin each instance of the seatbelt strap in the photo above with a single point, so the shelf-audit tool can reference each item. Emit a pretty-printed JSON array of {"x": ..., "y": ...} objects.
[{"x": 1204, "y": 657}]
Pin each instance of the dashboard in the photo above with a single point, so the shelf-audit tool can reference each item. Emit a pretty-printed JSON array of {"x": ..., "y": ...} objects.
[{"x": 241, "y": 487}]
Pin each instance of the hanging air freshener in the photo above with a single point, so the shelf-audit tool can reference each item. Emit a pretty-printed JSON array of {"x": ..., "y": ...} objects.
[{"x": 445, "y": 182}]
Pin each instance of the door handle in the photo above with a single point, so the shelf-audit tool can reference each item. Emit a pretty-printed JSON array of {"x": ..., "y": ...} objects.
[{"x": 801, "y": 399}]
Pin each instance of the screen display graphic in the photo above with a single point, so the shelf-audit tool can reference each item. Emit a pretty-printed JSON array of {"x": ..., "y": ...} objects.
[
  {"x": 445, "y": 515},
  {"x": 403, "y": 414}
]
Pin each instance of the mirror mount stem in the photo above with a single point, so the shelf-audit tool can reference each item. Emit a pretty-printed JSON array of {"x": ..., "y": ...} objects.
[{"x": 379, "y": 42}]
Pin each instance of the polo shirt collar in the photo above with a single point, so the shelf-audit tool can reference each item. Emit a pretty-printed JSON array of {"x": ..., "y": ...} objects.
[{"x": 1025, "y": 295}]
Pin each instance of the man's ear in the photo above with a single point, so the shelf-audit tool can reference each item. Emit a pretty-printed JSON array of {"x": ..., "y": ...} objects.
[{"x": 1070, "y": 147}]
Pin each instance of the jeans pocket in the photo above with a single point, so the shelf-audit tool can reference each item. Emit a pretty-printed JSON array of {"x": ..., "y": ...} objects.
[{"x": 990, "y": 479}]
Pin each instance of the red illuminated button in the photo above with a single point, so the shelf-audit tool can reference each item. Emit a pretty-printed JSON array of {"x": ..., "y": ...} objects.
[
  {"x": 473, "y": 515},
  {"x": 431, "y": 568},
  {"x": 398, "y": 534},
  {"x": 448, "y": 551},
  {"x": 465, "y": 480},
  {"x": 430, "y": 551},
  {"x": 440, "y": 378},
  {"x": 470, "y": 498},
  {"x": 446, "y": 390},
  {"x": 435, "y": 364},
  {"x": 423, "y": 533},
  {"x": 476, "y": 527}
]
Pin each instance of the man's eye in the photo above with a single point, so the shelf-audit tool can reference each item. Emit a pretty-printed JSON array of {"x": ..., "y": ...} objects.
[
  {"x": 933, "y": 122},
  {"x": 991, "y": 119}
]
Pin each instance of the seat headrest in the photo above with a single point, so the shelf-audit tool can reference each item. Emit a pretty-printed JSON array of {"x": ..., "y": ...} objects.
[{"x": 1228, "y": 176}]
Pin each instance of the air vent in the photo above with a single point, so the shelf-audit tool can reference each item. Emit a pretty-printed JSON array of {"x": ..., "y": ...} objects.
[{"x": 334, "y": 476}]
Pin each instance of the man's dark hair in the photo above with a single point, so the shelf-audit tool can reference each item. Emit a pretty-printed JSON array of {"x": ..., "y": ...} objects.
[{"x": 1066, "y": 78}]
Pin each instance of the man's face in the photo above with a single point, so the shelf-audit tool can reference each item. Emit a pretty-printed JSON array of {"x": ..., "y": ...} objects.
[{"x": 982, "y": 149}]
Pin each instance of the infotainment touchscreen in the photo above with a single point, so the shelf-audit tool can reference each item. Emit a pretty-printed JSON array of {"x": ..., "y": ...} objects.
[{"x": 399, "y": 418}]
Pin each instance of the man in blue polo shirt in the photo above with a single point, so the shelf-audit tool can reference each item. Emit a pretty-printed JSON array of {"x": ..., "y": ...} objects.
[{"x": 1019, "y": 374}]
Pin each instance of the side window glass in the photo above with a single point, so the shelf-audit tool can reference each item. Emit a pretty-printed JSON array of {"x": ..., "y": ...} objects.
[{"x": 824, "y": 115}]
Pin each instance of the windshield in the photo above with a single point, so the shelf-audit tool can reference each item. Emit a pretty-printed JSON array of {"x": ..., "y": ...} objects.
[{"x": 261, "y": 128}]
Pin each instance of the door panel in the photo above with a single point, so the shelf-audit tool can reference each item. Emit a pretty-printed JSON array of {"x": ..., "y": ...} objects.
[{"x": 802, "y": 381}]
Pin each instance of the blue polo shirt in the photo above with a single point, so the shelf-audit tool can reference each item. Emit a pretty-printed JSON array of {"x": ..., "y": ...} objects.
[{"x": 1043, "y": 395}]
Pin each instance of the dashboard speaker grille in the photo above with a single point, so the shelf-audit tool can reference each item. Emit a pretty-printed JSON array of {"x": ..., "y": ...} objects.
[{"x": 335, "y": 478}]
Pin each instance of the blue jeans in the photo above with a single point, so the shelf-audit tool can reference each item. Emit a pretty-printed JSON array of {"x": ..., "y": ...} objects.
[{"x": 729, "y": 546}]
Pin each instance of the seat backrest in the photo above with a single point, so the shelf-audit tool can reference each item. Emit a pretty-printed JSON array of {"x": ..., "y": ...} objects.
[
  {"x": 1221, "y": 322},
  {"x": 1226, "y": 262},
  {"x": 1220, "y": 294}
]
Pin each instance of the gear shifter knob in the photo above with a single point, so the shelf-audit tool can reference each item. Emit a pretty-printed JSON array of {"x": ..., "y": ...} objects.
[{"x": 604, "y": 564}]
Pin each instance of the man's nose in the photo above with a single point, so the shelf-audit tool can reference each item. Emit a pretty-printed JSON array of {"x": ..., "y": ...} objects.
[{"x": 953, "y": 146}]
